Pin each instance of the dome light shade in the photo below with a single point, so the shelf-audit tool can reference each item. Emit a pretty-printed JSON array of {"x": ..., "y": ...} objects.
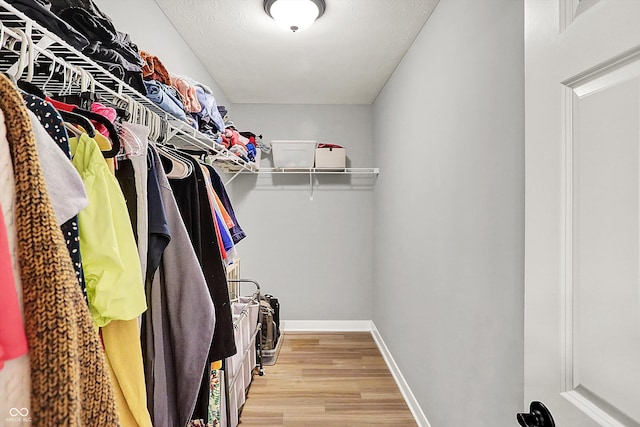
[{"x": 294, "y": 15}]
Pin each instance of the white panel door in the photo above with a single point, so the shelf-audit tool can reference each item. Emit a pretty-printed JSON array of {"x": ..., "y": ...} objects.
[{"x": 582, "y": 226}]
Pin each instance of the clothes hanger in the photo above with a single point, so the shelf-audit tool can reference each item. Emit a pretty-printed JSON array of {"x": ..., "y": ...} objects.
[
  {"x": 154, "y": 124},
  {"x": 1, "y": 34},
  {"x": 26, "y": 58},
  {"x": 69, "y": 118},
  {"x": 180, "y": 167},
  {"x": 52, "y": 70},
  {"x": 150, "y": 123},
  {"x": 30, "y": 88},
  {"x": 132, "y": 145},
  {"x": 86, "y": 82},
  {"x": 160, "y": 129},
  {"x": 67, "y": 80},
  {"x": 121, "y": 104},
  {"x": 79, "y": 120},
  {"x": 177, "y": 168},
  {"x": 87, "y": 95},
  {"x": 72, "y": 129},
  {"x": 113, "y": 133}
]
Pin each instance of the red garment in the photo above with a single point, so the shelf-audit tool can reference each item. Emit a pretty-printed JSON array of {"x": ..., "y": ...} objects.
[
  {"x": 107, "y": 112},
  {"x": 323, "y": 145},
  {"x": 13, "y": 341},
  {"x": 59, "y": 105},
  {"x": 231, "y": 137}
]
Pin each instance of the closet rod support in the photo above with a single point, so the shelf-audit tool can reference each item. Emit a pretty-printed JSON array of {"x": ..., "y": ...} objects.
[
  {"x": 172, "y": 133},
  {"x": 232, "y": 178}
]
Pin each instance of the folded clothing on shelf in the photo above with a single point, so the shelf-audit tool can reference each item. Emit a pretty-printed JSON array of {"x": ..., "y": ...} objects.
[
  {"x": 165, "y": 97},
  {"x": 153, "y": 68},
  {"x": 43, "y": 16},
  {"x": 87, "y": 29}
]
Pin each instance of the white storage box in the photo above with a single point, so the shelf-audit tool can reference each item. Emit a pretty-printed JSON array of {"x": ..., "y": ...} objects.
[
  {"x": 331, "y": 158},
  {"x": 293, "y": 154}
]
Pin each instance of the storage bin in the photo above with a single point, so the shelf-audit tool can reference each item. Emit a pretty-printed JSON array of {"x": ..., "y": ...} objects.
[
  {"x": 291, "y": 154},
  {"x": 331, "y": 158},
  {"x": 234, "y": 362},
  {"x": 233, "y": 408},
  {"x": 269, "y": 357},
  {"x": 253, "y": 310}
]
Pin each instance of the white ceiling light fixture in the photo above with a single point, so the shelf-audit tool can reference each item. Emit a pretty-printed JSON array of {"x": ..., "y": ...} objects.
[{"x": 294, "y": 15}]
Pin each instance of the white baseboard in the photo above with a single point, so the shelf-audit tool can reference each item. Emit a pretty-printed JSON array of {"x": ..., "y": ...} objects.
[
  {"x": 411, "y": 400},
  {"x": 326, "y": 326},
  {"x": 364, "y": 326}
]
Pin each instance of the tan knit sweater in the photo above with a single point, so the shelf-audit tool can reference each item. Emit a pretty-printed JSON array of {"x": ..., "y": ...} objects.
[{"x": 70, "y": 383}]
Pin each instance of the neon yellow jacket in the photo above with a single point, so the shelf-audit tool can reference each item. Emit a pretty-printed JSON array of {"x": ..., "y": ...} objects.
[{"x": 107, "y": 245}]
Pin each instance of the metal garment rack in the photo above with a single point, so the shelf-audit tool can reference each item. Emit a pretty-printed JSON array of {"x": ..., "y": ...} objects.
[
  {"x": 255, "y": 298},
  {"x": 255, "y": 341},
  {"x": 26, "y": 46}
]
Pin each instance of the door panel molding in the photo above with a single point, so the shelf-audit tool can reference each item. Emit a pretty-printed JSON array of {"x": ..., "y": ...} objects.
[
  {"x": 620, "y": 68},
  {"x": 598, "y": 409},
  {"x": 570, "y": 10},
  {"x": 617, "y": 71}
]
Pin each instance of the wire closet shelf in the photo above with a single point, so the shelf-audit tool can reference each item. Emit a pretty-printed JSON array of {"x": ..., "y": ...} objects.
[{"x": 24, "y": 45}]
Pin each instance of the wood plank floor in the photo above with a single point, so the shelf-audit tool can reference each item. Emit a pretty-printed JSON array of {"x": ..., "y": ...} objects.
[{"x": 323, "y": 380}]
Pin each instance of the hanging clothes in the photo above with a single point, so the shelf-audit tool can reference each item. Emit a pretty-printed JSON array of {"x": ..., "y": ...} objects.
[
  {"x": 106, "y": 112},
  {"x": 13, "y": 341},
  {"x": 227, "y": 248},
  {"x": 158, "y": 239},
  {"x": 191, "y": 196},
  {"x": 237, "y": 234},
  {"x": 193, "y": 201},
  {"x": 125, "y": 362},
  {"x": 137, "y": 176},
  {"x": 180, "y": 322},
  {"x": 68, "y": 366},
  {"x": 102, "y": 132},
  {"x": 123, "y": 351},
  {"x": 52, "y": 122},
  {"x": 64, "y": 185},
  {"x": 15, "y": 378},
  {"x": 159, "y": 235},
  {"x": 110, "y": 256}
]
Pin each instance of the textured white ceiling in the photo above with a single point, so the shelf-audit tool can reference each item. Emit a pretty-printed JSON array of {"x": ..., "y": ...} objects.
[{"x": 344, "y": 58}]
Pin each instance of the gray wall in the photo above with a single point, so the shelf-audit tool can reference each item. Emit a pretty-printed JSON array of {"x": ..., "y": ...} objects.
[
  {"x": 449, "y": 214},
  {"x": 314, "y": 255},
  {"x": 152, "y": 31}
]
